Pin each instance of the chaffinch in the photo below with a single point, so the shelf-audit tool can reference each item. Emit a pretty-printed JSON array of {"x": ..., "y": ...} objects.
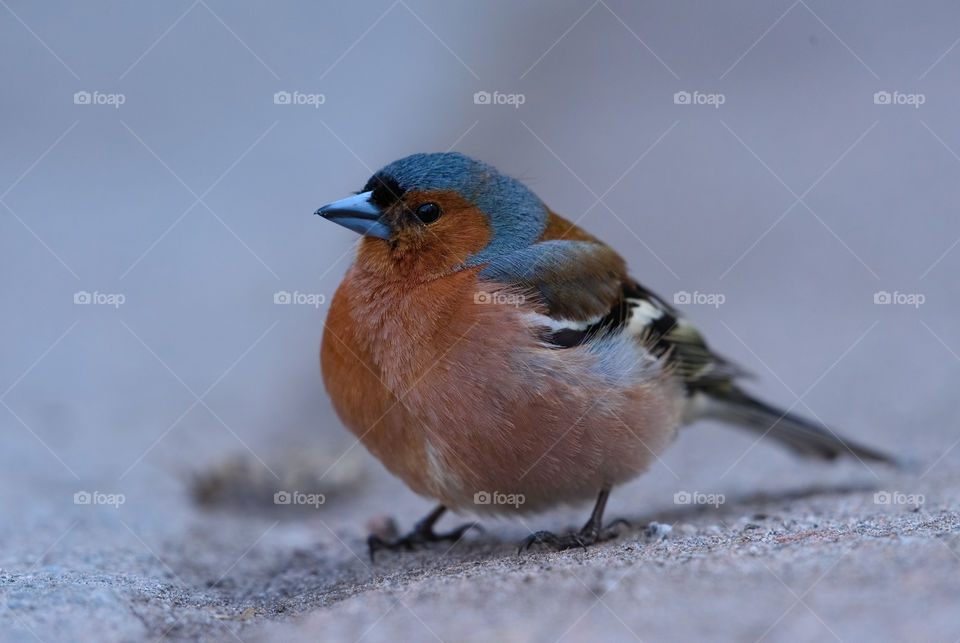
[{"x": 498, "y": 358}]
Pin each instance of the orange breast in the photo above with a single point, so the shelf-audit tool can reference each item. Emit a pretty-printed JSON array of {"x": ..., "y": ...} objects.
[
  {"x": 381, "y": 340},
  {"x": 457, "y": 396}
]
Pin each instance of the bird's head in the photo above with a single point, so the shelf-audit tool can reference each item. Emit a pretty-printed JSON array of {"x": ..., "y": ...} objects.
[{"x": 428, "y": 215}]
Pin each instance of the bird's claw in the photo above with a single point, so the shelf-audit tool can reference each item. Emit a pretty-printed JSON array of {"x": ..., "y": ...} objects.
[
  {"x": 589, "y": 535},
  {"x": 419, "y": 537}
]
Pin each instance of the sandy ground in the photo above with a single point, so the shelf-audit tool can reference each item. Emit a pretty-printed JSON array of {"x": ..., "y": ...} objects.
[{"x": 798, "y": 551}]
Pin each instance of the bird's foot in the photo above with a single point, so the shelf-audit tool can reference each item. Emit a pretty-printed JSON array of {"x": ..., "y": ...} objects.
[
  {"x": 421, "y": 536},
  {"x": 589, "y": 535}
]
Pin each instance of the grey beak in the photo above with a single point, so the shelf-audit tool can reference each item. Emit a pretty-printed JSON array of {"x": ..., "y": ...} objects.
[{"x": 357, "y": 213}]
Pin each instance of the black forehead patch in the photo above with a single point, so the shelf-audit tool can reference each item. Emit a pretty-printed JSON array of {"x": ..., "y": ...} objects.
[{"x": 386, "y": 190}]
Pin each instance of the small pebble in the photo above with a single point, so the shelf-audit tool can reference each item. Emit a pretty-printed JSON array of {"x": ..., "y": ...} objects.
[{"x": 656, "y": 531}]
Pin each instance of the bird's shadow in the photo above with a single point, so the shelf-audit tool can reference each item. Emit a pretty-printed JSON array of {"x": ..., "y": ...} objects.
[
  {"x": 355, "y": 573},
  {"x": 755, "y": 506},
  {"x": 759, "y": 502}
]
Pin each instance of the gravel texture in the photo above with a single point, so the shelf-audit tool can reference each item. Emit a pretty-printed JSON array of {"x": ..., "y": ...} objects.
[{"x": 810, "y": 556}]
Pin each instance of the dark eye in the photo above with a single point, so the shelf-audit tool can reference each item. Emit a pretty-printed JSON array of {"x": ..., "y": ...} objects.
[{"x": 429, "y": 212}]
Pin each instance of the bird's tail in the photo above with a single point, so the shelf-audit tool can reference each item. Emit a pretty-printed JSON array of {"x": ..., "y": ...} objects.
[{"x": 731, "y": 405}]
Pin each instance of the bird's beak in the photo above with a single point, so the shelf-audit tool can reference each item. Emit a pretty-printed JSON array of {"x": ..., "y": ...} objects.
[{"x": 358, "y": 214}]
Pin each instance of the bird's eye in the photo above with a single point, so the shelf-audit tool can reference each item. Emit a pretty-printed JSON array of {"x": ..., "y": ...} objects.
[{"x": 429, "y": 212}]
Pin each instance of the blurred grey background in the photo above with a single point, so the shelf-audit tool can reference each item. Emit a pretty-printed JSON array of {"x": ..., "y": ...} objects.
[{"x": 797, "y": 199}]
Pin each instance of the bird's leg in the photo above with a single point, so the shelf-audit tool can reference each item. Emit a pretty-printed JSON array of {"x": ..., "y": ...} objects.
[
  {"x": 592, "y": 532},
  {"x": 422, "y": 534}
]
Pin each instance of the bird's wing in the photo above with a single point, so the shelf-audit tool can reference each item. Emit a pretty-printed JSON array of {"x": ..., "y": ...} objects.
[
  {"x": 584, "y": 292},
  {"x": 647, "y": 315},
  {"x": 577, "y": 281}
]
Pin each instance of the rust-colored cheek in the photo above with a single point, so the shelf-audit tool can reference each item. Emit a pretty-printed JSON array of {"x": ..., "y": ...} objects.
[
  {"x": 423, "y": 252},
  {"x": 461, "y": 231}
]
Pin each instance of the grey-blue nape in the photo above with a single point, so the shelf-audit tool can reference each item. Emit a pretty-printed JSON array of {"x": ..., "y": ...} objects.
[{"x": 517, "y": 216}]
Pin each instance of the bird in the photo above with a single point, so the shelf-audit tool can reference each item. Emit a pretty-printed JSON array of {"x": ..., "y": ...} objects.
[{"x": 500, "y": 359}]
